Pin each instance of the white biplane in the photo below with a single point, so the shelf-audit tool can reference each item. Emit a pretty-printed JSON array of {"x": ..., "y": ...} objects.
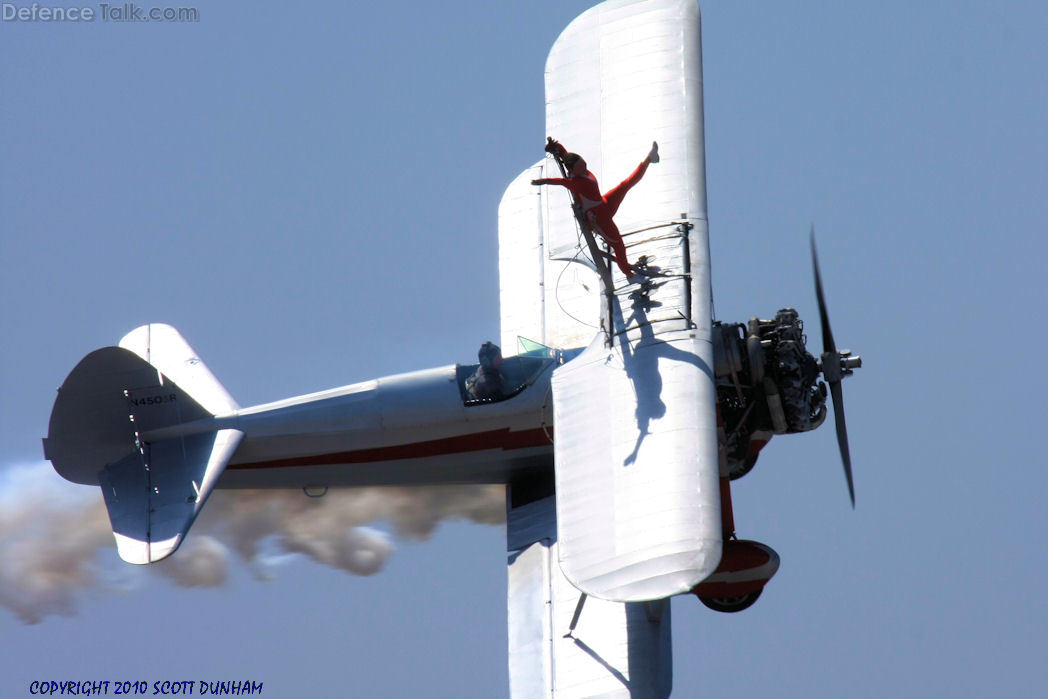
[{"x": 616, "y": 427}]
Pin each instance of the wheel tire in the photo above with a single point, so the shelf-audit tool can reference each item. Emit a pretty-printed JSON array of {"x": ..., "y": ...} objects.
[
  {"x": 730, "y": 605},
  {"x": 743, "y": 467}
]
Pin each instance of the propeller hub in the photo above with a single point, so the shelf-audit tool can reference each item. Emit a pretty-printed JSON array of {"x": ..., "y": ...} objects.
[
  {"x": 831, "y": 366},
  {"x": 836, "y": 365}
]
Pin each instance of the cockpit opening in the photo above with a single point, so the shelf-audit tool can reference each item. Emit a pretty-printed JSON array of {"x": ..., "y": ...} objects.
[{"x": 495, "y": 378}]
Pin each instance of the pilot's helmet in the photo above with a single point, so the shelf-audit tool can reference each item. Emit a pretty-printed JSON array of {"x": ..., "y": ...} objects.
[{"x": 490, "y": 355}]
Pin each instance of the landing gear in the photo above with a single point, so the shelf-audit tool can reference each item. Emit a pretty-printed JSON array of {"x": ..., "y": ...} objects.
[
  {"x": 738, "y": 468},
  {"x": 730, "y": 605},
  {"x": 744, "y": 570}
]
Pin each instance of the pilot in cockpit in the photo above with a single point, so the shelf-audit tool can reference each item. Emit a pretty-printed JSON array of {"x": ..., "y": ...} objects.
[{"x": 487, "y": 381}]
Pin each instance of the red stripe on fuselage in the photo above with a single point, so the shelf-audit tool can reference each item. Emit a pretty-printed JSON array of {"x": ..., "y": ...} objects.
[{"x": 503, "y": 439}]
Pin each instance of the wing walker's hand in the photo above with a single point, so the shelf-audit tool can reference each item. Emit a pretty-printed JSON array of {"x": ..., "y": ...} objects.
[
  {"x": 554, "y": 148},
  {"x": 539, "y": 181}
]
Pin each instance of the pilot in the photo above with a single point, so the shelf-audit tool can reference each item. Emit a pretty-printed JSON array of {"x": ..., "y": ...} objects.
[
  {"x": 487, "y": 381},
  {"x": 598, "y": 209}
]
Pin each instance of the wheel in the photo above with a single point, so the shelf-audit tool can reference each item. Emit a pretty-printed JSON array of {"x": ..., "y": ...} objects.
[
  {"x": 730, "y": 605},
  {"x": 738, "y": 469}
]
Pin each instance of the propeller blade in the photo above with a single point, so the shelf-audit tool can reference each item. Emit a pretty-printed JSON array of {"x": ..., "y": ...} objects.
[
  {"x": 831, "y": 369},
  {"x": 842, "y": 436},
  {"x": 824, "y": 318}
]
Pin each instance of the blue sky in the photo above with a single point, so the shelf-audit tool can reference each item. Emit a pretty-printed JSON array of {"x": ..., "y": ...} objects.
[{"x": 309, "y": 194}]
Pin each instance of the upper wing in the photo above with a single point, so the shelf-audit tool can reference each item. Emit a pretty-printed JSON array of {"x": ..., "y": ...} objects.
[{"x": 638, "y": 500}]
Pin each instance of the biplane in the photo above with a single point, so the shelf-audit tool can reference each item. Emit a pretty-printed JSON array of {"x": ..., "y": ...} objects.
[{"x": 617, "y": 421}]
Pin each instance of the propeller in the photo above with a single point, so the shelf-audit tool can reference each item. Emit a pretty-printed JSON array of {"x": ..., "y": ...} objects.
[{"x": 835, "y": 366}]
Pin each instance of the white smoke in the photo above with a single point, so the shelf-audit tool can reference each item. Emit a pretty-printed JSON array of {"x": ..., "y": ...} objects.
[
  {"x": 200, "y": 562},
  {"x": 56, "y": 542},
  {"x": 49, "y": 534}
]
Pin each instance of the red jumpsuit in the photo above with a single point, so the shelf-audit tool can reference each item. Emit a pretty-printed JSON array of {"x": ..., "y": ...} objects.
[{"x": 599, "y": 210}]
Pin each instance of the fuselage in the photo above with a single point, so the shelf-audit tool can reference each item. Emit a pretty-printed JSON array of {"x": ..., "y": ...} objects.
[{"x": 416, "y": 428}]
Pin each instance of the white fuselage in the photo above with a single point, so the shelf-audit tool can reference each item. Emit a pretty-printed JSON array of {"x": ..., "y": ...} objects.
[{"x": 380, "y": 432}]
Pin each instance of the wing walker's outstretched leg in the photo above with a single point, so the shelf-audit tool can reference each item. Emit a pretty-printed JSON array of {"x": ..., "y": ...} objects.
[
  {"x": 594, "y": 211},
  {"x": 614, "y": 198}
]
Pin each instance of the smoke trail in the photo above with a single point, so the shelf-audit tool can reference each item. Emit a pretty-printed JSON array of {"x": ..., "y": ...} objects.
[
  {"x": 203, "y": 565},
  {"x": 49, "y": 534},
  {"x": 52, "y": 533}
]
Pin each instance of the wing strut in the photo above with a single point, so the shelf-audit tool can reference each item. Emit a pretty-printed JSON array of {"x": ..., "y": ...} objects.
[{"x": 576, "y": 615}]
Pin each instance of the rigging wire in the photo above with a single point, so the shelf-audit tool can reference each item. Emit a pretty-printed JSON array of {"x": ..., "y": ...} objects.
[{"x": 556, "y": 287}]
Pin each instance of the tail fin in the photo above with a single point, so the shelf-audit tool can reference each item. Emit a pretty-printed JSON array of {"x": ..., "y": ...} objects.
[{"x": 138, "y": 420}]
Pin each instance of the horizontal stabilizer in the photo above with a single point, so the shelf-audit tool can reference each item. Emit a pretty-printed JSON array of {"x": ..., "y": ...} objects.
[
  {"x": 164, "y": 348},
  {"x": 154, "y": 494},
  {"x": 110, "y": 395}
]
